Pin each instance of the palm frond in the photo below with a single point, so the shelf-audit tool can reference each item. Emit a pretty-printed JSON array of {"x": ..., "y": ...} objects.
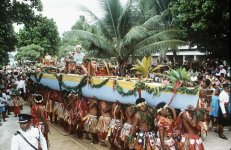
[
  {"x": 136, "y": 33},
  {"x": 154, "y": 23},
  {"x": 180, "y": 74},
  {"x": 143, "y": 67},
  {"x": 95, "y": 39},
  {"x": 161, "y": 36},
  {"x": 159, "y": 46},
  {"x": 158, "y": 68},
  {"x": 113, "y": 9},
  {"x": 101, "y": 26},
  {"x": 125, "y": 20}
]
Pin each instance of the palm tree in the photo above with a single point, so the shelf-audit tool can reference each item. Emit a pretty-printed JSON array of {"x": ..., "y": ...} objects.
[{"x": 120, "y": 35}]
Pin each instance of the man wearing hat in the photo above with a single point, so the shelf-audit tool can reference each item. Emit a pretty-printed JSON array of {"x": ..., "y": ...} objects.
[
  {"x": 79, "y": 57},
  {"x": 28, "y": 137},
  {"x": 40, "y": 116},
  {"x": 223, "y": 111}
]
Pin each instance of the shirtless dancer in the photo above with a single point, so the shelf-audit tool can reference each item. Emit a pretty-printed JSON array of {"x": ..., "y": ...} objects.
[
  {"x": 129, "y": 113},
  {"x": 115, "y": 126},
  {"x": 104, "y": 121},
  {"x": 143, "y": 127},
  {"x": 91, "y": 120},
  {"x": 187, "y": 122},
  {"x": 39, "y": 114}
]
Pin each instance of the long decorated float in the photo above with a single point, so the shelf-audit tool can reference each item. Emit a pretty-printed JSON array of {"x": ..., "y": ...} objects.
[{"x": 114, "y": 89}]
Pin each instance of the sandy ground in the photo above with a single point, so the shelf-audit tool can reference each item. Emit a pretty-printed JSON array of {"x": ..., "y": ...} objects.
[{"x": 59, "y": 140}]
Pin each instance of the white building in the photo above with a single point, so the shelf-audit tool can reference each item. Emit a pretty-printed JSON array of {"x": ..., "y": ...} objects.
[{"x": 184, "y": 53}]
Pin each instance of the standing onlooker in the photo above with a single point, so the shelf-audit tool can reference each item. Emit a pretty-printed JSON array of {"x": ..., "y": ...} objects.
[
  {"x": 2, "y": 107},
  {"x": 21, "y": 86},
  {"x": 223, "y": 112},
  {"x": 214, "y": 107},
  {"x": 16, "y": 104},
  {"x": 222, "y": 70}
]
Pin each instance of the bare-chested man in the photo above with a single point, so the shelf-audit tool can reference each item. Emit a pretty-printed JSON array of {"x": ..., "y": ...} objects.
[
  {"x": 143, "y": 127},
  {"x": 91, "y": 120},
  {"x": 39, "y": 114},
  {"x": 128, "y": 114},
  {"x": 190, "y": 134},
  {"x": 115, "y": 125},
  {"x": 104, "y": 121}
]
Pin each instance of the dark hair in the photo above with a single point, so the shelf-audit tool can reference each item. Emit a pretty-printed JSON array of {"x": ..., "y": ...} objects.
[
  {"x": 207, "y": 82},
  {"x": 140, "y": 100},
  {"x": 160, "y": 105}
]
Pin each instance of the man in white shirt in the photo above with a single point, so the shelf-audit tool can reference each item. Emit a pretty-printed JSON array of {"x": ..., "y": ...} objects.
[
  {"x": 222, "y": 70},
  {"x": 79, "y": 57},
  {"x": 28, "y": 137},
  {"x": 21, "y": 86},
  {"x": 223, "y": 112}
]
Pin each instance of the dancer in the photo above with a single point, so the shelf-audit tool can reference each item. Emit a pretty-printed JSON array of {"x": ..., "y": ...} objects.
[
  {"x": 40, "y": 117},
  {"x": 142, "y": 135}
]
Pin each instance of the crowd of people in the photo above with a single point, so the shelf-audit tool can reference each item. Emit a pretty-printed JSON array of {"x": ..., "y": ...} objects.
[{"x": 123, "y": 126}]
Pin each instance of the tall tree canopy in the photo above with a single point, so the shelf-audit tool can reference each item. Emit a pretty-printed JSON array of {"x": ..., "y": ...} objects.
[
  {"x": 30, "y": 52},
  {"x": 206, "y": 23},
  {"x": 14, "y": 11},
  {"x": 42, "y": 32},
  {"x": 120, "y": 33}
]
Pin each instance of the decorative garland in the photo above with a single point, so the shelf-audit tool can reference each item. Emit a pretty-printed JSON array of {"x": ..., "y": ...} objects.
[
  {"x": 200, "y": 113},
  {"x": 100, "y": 84},
  {"x": 155, "y": 91},
  {"x": 120, "y": 90}
]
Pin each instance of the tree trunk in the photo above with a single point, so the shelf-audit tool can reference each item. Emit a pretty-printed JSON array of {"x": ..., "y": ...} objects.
[{"x": 174, "y": 56}]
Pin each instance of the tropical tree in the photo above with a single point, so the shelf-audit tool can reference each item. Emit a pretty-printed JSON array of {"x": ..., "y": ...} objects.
[
  {"x": 120, "y": 35},
  {"x": 42, "y": 32},
  {"x": 70, "y": 39},
  {"x": 30, "y": 52},
  {"x": 206, "y": 24},
  {"x": 14, "y": 12}
]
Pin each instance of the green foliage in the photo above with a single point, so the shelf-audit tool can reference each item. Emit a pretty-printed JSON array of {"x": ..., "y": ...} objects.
[
  {"x": 14, "y": 12},
  {"x": 120, "y": 33},
  {"x": 206, "y": 23},
  {"x": 30, "y": 52},
  {"x": 178, "y": 75},
  {"x": 143, "y": 67},
  {"x": 43, "y": 32},
  {"x": 70, "y": 39}
]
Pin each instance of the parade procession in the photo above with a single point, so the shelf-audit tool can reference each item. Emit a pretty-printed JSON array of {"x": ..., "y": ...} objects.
[{"x": 143, "y": 76}]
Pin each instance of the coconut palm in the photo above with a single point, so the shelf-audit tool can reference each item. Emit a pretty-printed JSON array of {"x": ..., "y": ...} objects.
[{"x": 120, "y": 34}]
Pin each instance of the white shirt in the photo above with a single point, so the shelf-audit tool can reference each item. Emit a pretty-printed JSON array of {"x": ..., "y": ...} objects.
[
  {"x": 223, "y": 98},
  {"x": 48, "y": 57},
  {"x": 222, "y": 71},
  {"x": 78, "y": 57},
  {"x": 21, "y": 84},
  {"x": 32, "y": 135}
]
